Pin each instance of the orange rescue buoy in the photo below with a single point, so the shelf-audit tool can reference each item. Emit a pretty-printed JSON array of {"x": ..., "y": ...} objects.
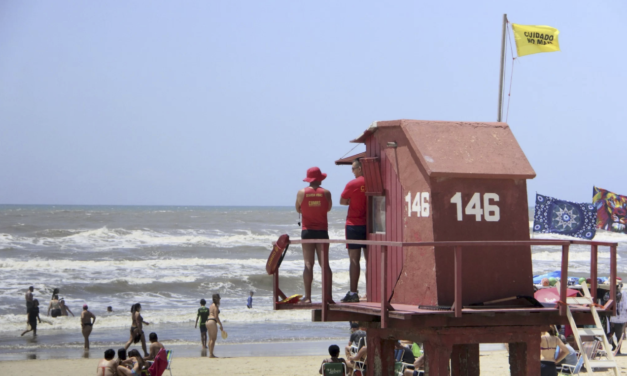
[{"x": 277, "y": 254}]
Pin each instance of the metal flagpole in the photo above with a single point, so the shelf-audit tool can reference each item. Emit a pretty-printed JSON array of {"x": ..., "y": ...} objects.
[{"x": 498, "y": 118}]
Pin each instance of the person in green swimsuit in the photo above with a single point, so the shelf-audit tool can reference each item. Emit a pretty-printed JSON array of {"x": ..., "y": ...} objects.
[{"x": 203, "y": 315}]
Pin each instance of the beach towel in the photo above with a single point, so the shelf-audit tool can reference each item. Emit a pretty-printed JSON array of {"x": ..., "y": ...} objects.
[
  {"x": 564, "y": 217},
  {"x": 160, "y": 363},
  {"x": 611, "y": 210}
]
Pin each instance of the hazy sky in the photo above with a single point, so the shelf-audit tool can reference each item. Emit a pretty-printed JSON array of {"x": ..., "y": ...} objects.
[{"x": 228, "y": 103}]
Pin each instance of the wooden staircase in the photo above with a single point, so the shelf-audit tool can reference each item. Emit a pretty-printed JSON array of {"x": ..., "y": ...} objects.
[{"x": 597, "y": 331}]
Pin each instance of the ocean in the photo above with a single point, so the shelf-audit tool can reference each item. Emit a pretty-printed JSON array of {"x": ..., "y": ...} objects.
[{"x": 167, "y": 258}]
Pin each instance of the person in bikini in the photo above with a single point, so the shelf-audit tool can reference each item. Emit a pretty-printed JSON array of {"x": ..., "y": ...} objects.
[
  {"x": 137, "y": 326},
  {"x": 87, "y": 324},
  {"x": 155, "y": 346},
  {"x": 203, "y": 315},
  {"x": 135, "y": 362},
  {"x": 212, "y": 323},
  {"x": 108, "y": 366},
  {"x": 314, "y": 202},
  {"x": 549, "y": 342},
  {"x": 54, "y": 308}
]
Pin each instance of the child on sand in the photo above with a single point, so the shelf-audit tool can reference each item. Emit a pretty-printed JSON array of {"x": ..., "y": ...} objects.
[{"x": 203, "y": 315}]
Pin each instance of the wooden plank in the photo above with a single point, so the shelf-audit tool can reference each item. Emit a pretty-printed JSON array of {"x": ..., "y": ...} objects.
[
  {"x": 486, "y": 243},
  {"x": 275, "y": 289},
  {"x": 458, "y": 282},
  {"x": 324, "y": 255},
  {"x": 482, "y": 243},
  {"x": 564, "y": 280},
  {"x": 593, "y": 270},
  {"x": 579, "y": 300},
  {"x": 384, "y": 287},
  {"x": 613, "y": 277},
  {"x": 297, "y": 306}
]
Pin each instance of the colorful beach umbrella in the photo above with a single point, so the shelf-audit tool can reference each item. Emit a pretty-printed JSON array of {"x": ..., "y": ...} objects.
[{"x": 551, "y": 296}]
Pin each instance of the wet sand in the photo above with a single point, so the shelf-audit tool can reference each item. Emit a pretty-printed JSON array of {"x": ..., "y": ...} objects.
[{"x": 492, "y": 363}]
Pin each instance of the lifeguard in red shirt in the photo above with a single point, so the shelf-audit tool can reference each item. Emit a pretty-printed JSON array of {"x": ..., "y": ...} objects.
[
  {"x": 354, "y": 196},
  {"x": 314, "y": 202}
]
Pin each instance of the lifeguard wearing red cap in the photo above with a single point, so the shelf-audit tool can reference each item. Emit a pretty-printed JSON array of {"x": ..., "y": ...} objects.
[{"x": 314, "y": 174}]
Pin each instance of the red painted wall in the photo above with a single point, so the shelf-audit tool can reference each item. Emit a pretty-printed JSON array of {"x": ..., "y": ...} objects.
[
  {"x": 394, "y": 228},
  {"x": 423, "y": 275}
]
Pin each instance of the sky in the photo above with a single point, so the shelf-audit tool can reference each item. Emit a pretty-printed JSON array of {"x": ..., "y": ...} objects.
[{"x": 230, "y": 102}]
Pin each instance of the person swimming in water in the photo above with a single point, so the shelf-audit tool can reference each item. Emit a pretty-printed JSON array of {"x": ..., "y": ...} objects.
[{"x": 64, "y": 309}]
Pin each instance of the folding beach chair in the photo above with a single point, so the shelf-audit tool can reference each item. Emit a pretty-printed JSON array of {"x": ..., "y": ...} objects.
[
  {"x": 334, "y": 369},
  {"x": 398, "y": 368},
  {"x": 169, "y": 358},
  {"x": 591, "y": 349},
  {"x": 360, "y": 368},
  {"x": 573, "y": 369},
  {"x": 356, "y": 346},
  {"x": 620, "y": 343},
  {"x": 398, "y": 355}
]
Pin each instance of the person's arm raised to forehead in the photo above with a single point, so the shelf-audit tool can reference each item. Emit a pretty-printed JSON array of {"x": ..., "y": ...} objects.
[{"x": 299, "y": 199}]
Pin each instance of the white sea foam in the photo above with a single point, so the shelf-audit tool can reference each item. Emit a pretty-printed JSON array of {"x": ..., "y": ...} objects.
[
  {"x": 104, "y": 239},
  {"x": 16, "y": 322}
]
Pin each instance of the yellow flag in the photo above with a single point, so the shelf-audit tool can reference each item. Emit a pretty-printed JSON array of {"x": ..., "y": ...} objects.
[{"x": 532, "y": 39}]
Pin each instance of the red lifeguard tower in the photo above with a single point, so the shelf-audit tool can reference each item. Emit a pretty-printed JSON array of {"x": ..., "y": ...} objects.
[{"x": 448, "y": 228}]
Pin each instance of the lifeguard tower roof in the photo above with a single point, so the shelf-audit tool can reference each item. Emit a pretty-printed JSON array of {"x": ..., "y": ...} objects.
[{"x": 462, "y": 149}]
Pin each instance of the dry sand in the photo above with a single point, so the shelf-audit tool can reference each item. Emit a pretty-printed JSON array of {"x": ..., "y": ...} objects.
[{"x": 492, "y": 363}]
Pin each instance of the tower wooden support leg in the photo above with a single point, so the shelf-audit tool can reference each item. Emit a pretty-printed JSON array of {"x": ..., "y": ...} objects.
[
  {"x": 465, "y": 360},
  {"x": 437, "y": 358},
  {"x": 524, "y": 357},
  {"x": 380, "y": 358},
  {"x": 518, "y": 359}
]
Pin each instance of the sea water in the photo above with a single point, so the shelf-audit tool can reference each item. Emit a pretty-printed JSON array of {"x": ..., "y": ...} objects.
[{"x": 167, "y": 259}]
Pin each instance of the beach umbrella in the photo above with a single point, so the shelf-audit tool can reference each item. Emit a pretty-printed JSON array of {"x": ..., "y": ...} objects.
[{"x": 549, "y": 297}]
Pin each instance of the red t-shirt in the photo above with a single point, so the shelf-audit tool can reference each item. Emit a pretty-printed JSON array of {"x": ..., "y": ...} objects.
[
  {"x": 356, "y": 191},
  {"x": 314, "y": 209}
]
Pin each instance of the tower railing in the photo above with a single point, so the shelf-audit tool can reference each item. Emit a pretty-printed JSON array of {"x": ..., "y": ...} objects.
[{"x": 458, "y": 247}]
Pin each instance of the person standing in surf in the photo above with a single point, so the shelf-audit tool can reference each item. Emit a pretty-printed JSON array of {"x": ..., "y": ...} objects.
[
  {"x": 137, "y": 326},
  {"x": 203, "y": 315},
  {"x": 54, "y": 308},
  {"x": 354, "y": 196},
  {"x": 87, "y": 324},
  {"x": 33, "y": 316},
  {"x": 249, "y": 302},
  {"x": 29, "y": 298},
  {"x": 314, "y": 202},
  {"x": 212, "y": 323}
]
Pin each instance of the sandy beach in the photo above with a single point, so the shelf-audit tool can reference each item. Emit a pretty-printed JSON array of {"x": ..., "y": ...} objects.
[{"x": 492, "y": 363}]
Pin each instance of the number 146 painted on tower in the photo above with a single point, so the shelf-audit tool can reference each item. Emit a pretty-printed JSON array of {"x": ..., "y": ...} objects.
[{"x": 491, "y": 212}]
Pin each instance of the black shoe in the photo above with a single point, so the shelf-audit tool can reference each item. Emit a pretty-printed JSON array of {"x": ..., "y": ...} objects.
[{"x": 350, "y": 298}]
